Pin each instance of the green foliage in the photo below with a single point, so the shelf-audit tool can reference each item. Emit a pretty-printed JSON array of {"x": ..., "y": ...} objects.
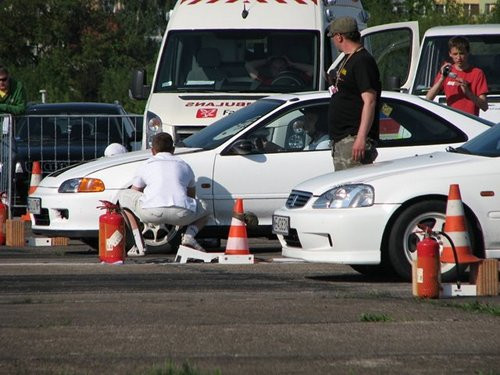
[
  {"x": 170, "y": 368},
  {"x": 78, "y": 50},
  {"x": 426, "y": 12},
  {"x": 477, "y": 307},
  {"x": 375, "y": 317}
]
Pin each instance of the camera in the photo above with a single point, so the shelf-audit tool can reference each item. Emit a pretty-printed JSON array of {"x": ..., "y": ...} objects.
[{"x": 448, "y": 73}]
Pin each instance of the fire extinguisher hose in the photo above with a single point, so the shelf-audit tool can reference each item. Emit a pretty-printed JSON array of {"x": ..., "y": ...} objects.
[{"x": 454, "y": 256}]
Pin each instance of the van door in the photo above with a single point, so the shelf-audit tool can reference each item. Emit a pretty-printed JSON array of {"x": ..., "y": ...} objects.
[{"x": 395, "y": 47}]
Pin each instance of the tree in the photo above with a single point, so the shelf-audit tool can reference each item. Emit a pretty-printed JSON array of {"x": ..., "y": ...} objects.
[{"x": 80, "y": 50}]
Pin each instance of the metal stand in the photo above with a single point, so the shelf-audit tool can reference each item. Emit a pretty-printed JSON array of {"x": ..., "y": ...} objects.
[{"x": 184, "y": 253}]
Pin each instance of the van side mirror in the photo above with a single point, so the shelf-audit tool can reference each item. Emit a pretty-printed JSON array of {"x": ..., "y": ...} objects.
[
  {"x": 138, "y": 87},
  {"x": 393, "y": 83}
]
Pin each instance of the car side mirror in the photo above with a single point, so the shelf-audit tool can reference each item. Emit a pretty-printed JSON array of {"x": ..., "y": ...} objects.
[{"x": 241, "y": 147}]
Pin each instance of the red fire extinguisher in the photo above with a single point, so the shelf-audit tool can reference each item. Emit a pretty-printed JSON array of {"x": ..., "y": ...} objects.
[
  {"x": 111, "y": 234},
  {"x": 3, "y": 218},
  {"x": 428, "y": 267}
]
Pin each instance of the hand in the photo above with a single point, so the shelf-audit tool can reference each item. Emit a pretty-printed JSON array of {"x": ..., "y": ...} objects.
[
  {"x": 358, "y": 149},
  {"x": 465, "y": 86}
]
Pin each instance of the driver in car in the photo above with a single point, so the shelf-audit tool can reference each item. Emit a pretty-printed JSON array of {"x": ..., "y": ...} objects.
[{"x": 268, "y": 70}]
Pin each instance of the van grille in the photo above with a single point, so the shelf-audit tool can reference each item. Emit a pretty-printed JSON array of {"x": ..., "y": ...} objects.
[
  {"x": 182, "y": 132},
  {"x": 298, "y": 199}
]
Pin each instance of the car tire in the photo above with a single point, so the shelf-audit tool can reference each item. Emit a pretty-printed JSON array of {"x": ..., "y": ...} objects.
[{"x": 404, "y": 236}]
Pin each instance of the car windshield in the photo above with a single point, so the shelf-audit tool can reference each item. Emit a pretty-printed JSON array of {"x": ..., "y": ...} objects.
[
  {"x": 214, "y": 135},
  {"x": 217, "y": 61},
  {"x": 484, "y": 53},
  {"x": 485, "y": 144}
]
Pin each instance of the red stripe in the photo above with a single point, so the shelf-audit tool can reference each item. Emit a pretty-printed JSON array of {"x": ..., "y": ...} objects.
[
  {"x": 454, "y": 192},
  {"x": 237, "y": 231}
]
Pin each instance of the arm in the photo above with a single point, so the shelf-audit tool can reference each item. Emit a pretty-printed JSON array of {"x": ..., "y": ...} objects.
[
  {"x": 479, "y": 100},
  {"x": 436, "y": 88},
  {"x": 307, "y": 69},
  {"x": 367, "y": 115},
  {"x": 137, "y": 188},
  {"x": 17, "y": 104},
  {"x": 252, "y": 67}
]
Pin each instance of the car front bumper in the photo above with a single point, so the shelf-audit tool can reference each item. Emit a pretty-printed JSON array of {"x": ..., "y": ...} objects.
[
  {"x": 63, "y": 215},
  {"x": 348, "y": 236}
]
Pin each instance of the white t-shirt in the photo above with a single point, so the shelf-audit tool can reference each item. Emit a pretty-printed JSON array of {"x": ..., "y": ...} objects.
[
  {"x": 165, "y": 179},
  {"x": 322, "y": 143}
]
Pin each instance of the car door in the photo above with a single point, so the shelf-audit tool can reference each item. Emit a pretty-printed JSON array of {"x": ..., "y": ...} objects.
[
  {"x": 280, "y": 158},
  {"x": 395, "y": 48}
]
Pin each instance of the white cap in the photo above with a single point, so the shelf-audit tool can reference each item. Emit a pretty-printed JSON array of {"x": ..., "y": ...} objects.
[{"x": 114, "y": 149}]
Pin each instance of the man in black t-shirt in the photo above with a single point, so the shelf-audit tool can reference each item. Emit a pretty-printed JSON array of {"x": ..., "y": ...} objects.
[{"x": 353, "y": 115}]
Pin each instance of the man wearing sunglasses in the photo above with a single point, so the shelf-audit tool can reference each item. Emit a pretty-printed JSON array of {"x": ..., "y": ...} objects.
[{"x": 12, "y": 94}]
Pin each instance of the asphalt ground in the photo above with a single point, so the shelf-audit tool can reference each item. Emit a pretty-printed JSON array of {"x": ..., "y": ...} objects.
[{"x": 62, "y": 312}]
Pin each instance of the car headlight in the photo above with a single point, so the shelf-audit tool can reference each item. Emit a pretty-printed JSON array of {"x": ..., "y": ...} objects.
[
  {"x": 346, "y": 196},
  {"x": 82, "y": 185}
]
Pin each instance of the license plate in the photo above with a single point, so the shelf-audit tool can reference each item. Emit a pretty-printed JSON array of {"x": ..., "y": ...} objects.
[
  {"x": 34, "y": 205},
  {"x": 281, "y": 225}
]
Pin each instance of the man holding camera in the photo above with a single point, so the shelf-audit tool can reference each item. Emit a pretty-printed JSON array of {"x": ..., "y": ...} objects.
[{"x": 464, "y": 86}]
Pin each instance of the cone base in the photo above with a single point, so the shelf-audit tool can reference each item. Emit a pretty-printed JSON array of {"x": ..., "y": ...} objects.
[
  {"x": 236, "y": 259},
  {"x": 462, "y": 258}
]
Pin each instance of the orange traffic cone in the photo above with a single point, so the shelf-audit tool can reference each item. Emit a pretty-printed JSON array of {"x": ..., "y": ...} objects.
[
  {"x": 455, "y": 227},
  {"x": 237, "y": 251},
  {"x": 36, "y": 177},
  {"x": 237, "y": 241}
]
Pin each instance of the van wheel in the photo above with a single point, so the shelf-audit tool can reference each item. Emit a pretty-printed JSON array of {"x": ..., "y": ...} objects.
[{"x": 405, "y": 234}]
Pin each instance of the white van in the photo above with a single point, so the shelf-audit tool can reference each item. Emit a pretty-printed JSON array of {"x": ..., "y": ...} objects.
[
  {"x": 410, "y": 66},
  {"x": 201, "y": 72}
]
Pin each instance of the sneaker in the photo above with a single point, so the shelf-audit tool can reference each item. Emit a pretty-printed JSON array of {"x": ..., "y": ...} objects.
[
  {"x": 135, "y": 252},
  {"x": 189, "y": 241}
]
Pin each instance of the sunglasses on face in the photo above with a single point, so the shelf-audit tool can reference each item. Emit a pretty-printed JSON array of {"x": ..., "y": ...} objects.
[{"x": 3, "y": 79}]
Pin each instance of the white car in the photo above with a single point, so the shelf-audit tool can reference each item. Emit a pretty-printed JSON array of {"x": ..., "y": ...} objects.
[
  {"x": 367, "y": 216},
  {"x": 232, "y": 159}
]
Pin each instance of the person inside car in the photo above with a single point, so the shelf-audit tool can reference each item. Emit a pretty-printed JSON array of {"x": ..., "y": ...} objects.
[
  {"x": 315, "y": 124},
  {"x": 268, "y": 70}
]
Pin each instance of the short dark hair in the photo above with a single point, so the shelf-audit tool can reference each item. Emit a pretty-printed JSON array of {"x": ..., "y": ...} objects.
[
  {"x": 163, "y": 142},
  {"x": 355, "y": 36},
  {"x": 4, "y": 70},
  {"x": 459, "y": 42}
]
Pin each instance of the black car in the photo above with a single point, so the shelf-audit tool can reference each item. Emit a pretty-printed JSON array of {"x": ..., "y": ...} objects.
[{"x": 61, "y": 134}]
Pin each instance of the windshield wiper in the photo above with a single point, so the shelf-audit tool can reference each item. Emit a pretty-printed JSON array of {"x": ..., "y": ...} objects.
[{"x": 458, "y": 150}]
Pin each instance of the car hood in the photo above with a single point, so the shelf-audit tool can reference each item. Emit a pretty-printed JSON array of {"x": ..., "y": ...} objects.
[
  {"x": 392, "y": 170},
  {"x": 103, "y": 163}
]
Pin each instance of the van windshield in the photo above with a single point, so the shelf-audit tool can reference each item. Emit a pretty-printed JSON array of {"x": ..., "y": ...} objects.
[
  {"x": 484, "y": 54},
  {"x": 256, "y": 61},
  {"x": 214, "y": 135}
]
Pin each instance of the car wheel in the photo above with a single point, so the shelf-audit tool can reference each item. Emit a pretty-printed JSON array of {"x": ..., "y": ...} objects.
[
  {"x": 162, "y": 238},
  {"x": 405, "y": 234}
]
